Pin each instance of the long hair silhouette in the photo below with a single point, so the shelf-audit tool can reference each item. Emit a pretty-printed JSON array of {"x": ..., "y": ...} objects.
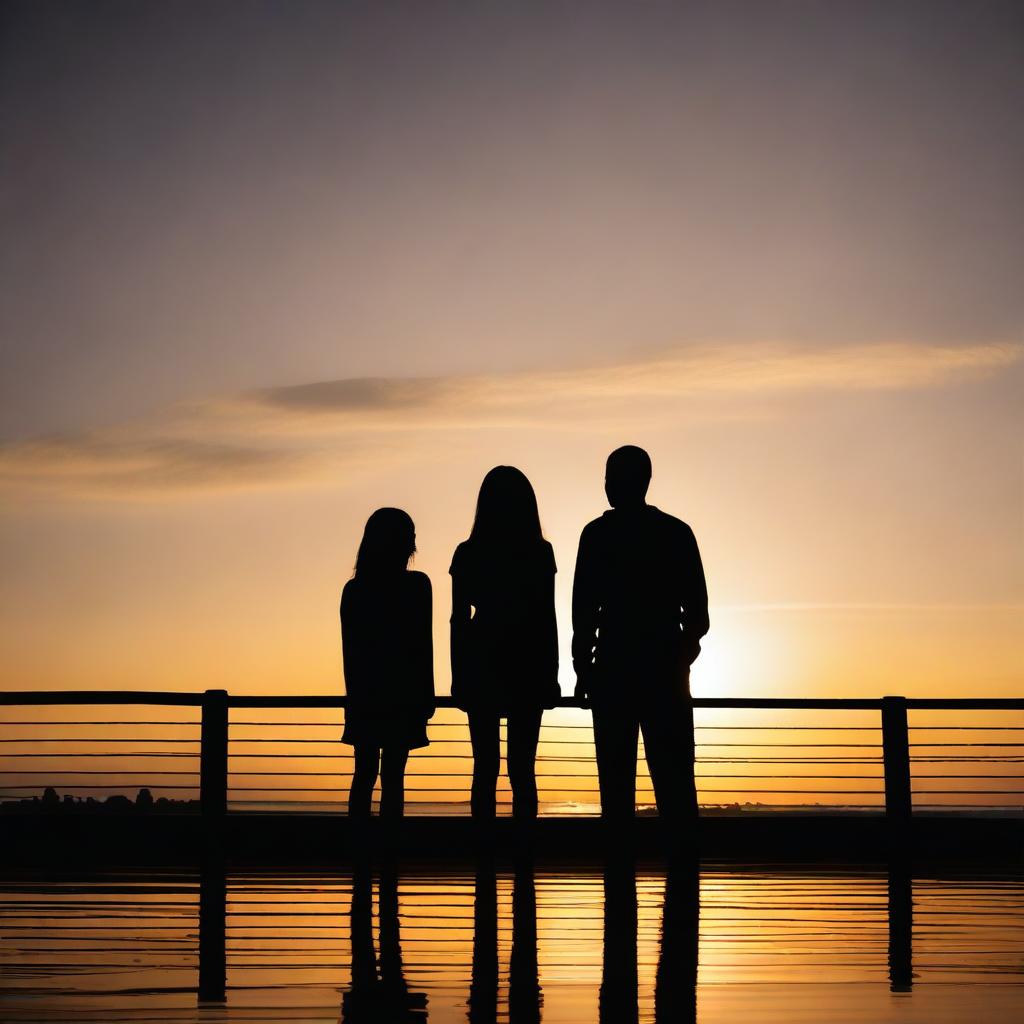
[
  {"x": 389, "y": 541},
  {"x": 506, "y": 510}
]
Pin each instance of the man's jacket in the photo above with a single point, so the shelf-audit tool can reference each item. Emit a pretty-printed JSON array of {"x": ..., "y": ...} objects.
[{"x": 639, "y": 603}]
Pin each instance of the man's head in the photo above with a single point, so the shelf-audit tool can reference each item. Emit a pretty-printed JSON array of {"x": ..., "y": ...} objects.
[{"x": 626, "y": 476}]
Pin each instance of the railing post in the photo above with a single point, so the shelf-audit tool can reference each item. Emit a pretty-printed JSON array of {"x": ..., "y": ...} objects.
[
  {"x": 896, "y": 759},
  {"x": 213, "y": 756}
]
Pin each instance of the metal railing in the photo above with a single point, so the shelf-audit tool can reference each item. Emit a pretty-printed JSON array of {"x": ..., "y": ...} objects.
[{"x": 886, "y": 761}]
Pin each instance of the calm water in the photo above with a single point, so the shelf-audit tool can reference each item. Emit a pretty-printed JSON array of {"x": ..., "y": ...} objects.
[{"x": 727, "y": 945}]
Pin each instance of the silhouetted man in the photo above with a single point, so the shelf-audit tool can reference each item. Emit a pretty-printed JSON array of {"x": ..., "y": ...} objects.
[{"x": 639, "y": 610}]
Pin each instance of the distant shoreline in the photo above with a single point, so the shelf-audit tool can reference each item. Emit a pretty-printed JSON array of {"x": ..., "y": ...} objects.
[{"x": 53, "y": 803}]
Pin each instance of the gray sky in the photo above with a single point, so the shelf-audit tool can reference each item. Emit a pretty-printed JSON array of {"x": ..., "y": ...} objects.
[{"x": 201, "y": 198}]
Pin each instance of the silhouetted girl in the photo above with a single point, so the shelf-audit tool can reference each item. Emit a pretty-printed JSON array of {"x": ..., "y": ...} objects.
[
  {"x": 389, "y": 662},
  {"x": 504, "y": 637}
]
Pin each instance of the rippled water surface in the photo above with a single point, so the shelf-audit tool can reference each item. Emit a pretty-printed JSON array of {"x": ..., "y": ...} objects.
[{"x": 725, "y": 944}]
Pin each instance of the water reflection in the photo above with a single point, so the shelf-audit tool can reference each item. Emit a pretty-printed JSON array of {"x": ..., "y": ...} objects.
[
  {"x": 483, "y": 988},
  {"x": 617, "y": 1000},
  {"x": 378, "y": 989},
  {"x": 524, "y": 991},
  {"x": 212, "y": 929},
  {"x": 901, "y": 926},
  {"x": 675, "y": 985},
  {"x": 514, "y": 943}
]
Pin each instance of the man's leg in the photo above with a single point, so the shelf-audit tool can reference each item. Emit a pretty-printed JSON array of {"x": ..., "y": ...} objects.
[
  {"x": 616, "y": 730},
  {"x": 668, "y": 742}
]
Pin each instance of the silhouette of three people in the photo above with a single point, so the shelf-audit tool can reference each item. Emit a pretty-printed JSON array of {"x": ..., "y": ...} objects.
[{"x": 639, "y": 610}]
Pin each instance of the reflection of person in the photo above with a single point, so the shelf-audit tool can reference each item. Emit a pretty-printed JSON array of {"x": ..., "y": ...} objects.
[
  {"x": 640, "y": 609},
  {"x": 483, "y": 985},
  {"x": 379, "y": 991},
  {"x": 524, "y": 992},
  {"x": 675, "y": 985},
  {"x": 389, "y": 664},
  {"x": 504, "y": 637},
  {"x": 617, "y": 1000}
]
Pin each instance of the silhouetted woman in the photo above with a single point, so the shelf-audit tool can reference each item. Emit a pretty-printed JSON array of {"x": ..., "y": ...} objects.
[
  {"x": 504, "y": 637},
  {"x": 389, "y": 663}
]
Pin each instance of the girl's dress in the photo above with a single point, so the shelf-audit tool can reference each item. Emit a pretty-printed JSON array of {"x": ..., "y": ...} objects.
[{"x": 387, "y": 648}]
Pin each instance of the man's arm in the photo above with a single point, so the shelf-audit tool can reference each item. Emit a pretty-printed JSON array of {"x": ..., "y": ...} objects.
[
  {"x": 585, "y": 607},
  {"x": 693, "y": 599}
]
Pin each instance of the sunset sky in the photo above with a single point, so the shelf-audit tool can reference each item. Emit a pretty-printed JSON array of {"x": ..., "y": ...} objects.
[{"x": 265, "y": 267}]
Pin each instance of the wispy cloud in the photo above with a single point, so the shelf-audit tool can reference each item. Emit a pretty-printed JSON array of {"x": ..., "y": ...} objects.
[
  {"x": 359, "y": 395},
  {"x": 279, "y": 435},
  {"x": 107, "y": 464},
  {"x": 712, "y": 370}
]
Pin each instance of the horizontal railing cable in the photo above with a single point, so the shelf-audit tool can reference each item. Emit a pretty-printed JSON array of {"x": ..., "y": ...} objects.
[{"x": 779, "y": 758}]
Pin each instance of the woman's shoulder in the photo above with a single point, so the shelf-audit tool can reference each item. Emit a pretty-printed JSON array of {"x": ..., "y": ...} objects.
[
  {"x": 464, "y": 556},
  {"x": 547, "y": 556},
  {"x": 350, "y": 596},
  {"x": 418, "y": 581}
]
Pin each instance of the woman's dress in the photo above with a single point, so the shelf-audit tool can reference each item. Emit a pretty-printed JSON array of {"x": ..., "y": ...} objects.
[{"x": 505, "y": 656}]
